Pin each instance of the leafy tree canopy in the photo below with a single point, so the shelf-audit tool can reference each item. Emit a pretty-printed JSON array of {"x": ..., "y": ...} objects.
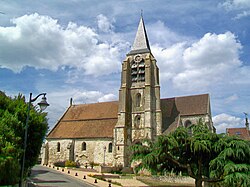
[
  {"x": 203, "y": 155},
  {"x": 13, "y": 113}
]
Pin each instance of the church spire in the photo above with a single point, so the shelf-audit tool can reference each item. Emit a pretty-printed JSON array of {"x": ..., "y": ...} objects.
[{"x": 141, "y": 44}]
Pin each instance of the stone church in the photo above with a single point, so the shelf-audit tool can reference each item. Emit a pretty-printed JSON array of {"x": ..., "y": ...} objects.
[{"x": 102, "y": 132}]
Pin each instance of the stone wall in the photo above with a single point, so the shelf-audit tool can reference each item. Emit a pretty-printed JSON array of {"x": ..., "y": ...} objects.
[
  {"x": 71, "y": 149},
  {"x": 94, "y": 151},
  {"x": 53, "y": 154},
  {"x": 195, "y": 118}
]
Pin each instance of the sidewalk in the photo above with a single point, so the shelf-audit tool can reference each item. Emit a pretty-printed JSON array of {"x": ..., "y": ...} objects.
[{"x": 86, "y": 176}]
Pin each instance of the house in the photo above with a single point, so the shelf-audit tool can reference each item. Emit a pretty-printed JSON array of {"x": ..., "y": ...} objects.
[{"x": 242, "y": 133}]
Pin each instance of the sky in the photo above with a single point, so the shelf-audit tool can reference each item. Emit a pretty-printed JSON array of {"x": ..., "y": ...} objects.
[{"x": 74, "y": 49}]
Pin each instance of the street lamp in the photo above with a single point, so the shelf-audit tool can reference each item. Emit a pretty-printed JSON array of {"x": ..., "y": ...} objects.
[
  {"x": 104, "y": 149},
  {"x": 43, "y": 104}
]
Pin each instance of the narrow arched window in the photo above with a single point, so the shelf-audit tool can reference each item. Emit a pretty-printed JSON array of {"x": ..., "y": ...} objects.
[
  {"x": 84, "y": 146},
  {"x": 58, "y": 147},
  {"x": 110, "y": 148},
  {"x": 187, "y": 123},
  {"x": 137, "y": 121},
  {"x": 138, "y": 100}
]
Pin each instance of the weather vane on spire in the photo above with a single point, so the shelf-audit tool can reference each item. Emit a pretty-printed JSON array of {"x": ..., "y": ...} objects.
[{"x": 141, "y": 13}]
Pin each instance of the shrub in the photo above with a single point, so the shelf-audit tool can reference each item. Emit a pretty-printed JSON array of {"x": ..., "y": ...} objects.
[
  {"x": 59, "y": 164},
  {"x": 70, "y": 163},
  {"x": 92, "y": 164},
  {"x": 10, "y": 171}
]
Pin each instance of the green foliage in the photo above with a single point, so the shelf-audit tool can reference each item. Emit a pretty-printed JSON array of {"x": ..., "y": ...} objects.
[
  {"x": 69, "y": 163},
  {"x": 13, "y": 114},
  {"x": 203, "y": 155},
  {"x": 9, "y": 170},
  {"x": 232, "y": 163}
]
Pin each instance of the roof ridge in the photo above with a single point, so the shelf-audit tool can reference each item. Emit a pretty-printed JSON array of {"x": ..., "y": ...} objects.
[
  {"x": 185, "y": 96},
  {"x": 95, "y": 103},
  {"x": 89, "y": 119}
]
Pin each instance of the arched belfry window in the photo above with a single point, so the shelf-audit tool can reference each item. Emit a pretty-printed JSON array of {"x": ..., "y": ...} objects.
[
  {"x": 138, "y": 69},
  {"x": 110, "y": 148},
  {"x": 84, "y": 146},
  {"x": 138, "y": 100},
  {"x": 187, "y": 123},
  {"x": 137, "y": 121},
  {"x": 58, "y": 146}
]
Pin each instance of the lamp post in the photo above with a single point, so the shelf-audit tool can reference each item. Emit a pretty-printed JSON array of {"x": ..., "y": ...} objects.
[
  {"x": 43, "y": 104},
  {"x": 104, "y": 149}
]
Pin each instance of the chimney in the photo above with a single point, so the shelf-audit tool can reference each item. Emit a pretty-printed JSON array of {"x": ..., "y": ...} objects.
[{"x": 71, "y": 101}]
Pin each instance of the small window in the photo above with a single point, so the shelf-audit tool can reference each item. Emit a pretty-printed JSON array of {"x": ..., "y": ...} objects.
[
  {"x": 188, "y": 123},
  {"x": 110, "y": 148},
  {"x": 137, "y": 121},
  {"x": 118, "y": 148},
  {"x": 84, "y": 146},
  {"x": 238, "y": 133},
  {"x": 58, "y": 147},
  {"x": 137, "y": 142},
  {"x": 138, "y": 100}
]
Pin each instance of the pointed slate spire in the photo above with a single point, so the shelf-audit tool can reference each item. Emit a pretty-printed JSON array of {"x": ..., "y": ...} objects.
[{"x": 141, "y": 44}]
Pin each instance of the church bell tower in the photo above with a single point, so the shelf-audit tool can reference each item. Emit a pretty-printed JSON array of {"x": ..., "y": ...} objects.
[{"x": 139, "y": 113}]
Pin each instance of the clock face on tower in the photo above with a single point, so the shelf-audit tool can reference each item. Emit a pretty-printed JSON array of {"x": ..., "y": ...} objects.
[{"x": 137, "y": 58}]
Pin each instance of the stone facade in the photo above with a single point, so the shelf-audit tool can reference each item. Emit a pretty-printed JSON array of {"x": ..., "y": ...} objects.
[
  {"x": 83, "y": 151},
  {"x": 139, "y": 114}
]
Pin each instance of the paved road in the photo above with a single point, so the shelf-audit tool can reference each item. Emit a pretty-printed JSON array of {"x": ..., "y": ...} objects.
[{"x": 44, "y": 177}]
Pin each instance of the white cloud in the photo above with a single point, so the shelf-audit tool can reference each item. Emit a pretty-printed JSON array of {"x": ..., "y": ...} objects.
[
  {"x": 92, "y": 97},
  {"x": 210, "y": 60},
  {"x": 107, "y": 97},
  {"x": 104, "y": 24},
  {"x": 236, "y": 4},
  {"x": 242, "y": 15},
  {"x": 223, "y": 121},
  {"x": 241, "y": 7},
  {"x": 162, "y": 35},
  {"x": 231, "y": 98},
  {"x": 41, "y": 42},
  {"x": 169, "y": 60}
]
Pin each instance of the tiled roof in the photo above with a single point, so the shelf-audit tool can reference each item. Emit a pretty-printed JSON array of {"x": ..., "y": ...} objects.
[
  {"x": 98, "y": 120},
  {"x": 92, "y": 111},
  {"x": 172, "y": 108},
  {"x": 242, "y": 133},
  {"x": 102, "y": 128},
  {"x": 95, "y": 120}
]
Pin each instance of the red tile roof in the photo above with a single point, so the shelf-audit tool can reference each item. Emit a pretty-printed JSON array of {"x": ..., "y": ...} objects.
[
  {"x": 242, "y": 133},
  {"x": 95, "y": 120},
  {"x": 98, "y": 120}
]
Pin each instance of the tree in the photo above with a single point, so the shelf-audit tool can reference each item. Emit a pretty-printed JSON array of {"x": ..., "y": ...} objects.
[
  {"x": 13, "y": 113},
  {"x": 203, "y": 155}
]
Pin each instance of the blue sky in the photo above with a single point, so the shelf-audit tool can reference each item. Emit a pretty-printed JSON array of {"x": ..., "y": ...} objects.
[{"x": 75, "y": 49}]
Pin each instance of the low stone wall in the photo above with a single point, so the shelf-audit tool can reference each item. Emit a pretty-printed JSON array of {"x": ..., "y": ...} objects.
[
  {"x": 104, "y": 169},
  {"x": 171, "y": 179},
  {"x": 175, "y": 179}
]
